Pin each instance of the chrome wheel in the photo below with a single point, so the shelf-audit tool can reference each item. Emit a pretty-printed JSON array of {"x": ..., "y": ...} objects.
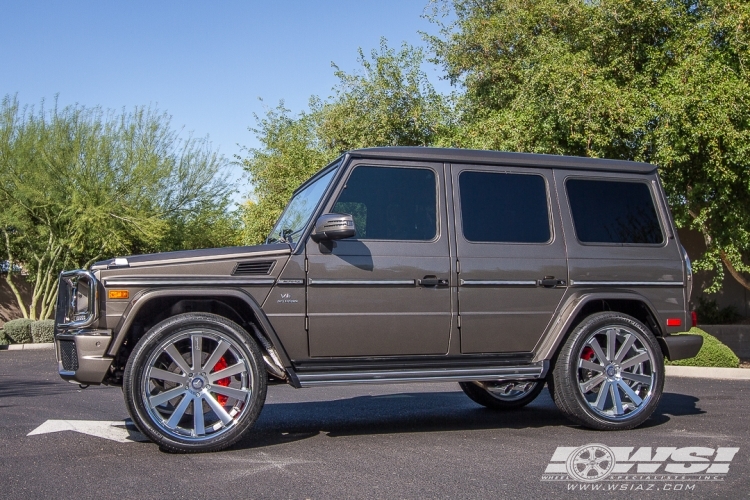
[
  {"x": 615, "y": 372},
  {"x": 503, "y": 395},
  {"x": 197, "y": 384},
  {"x": 509, "y": 390},
  {"x": 609, "y": 374}
]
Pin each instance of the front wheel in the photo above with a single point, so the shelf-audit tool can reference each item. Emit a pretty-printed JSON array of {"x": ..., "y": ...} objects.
[
  {"x": 505, "y": 395},
  {"x": 195, "y": 382},
  {"x": 610, "y": 373}
]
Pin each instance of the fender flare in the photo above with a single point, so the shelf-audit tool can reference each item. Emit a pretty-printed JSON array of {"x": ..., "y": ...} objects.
[
  {"x": 145, "y": 296},
  {"x": 550, "y": 342}
]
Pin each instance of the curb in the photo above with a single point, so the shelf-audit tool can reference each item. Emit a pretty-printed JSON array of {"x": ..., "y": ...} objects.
[
  {"x": 712, "y": 373},
  {"x": 28, "y": 347}
]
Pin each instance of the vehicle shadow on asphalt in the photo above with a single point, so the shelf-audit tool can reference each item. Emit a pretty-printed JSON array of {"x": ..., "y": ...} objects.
[
  {"x": 31, "y": 388},
  {"x": 282, "y": 423},
  {"x": 673, "y": 404}
]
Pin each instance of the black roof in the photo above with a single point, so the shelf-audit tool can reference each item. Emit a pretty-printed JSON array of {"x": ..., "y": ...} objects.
[{"x": 454, "y": 155}]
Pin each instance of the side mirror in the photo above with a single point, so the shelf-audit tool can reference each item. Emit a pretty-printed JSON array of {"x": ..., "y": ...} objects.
[{"x": 334, "y": 227}]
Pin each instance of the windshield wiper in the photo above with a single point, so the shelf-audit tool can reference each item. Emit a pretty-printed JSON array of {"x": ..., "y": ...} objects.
[{"x": 288, "y": 235}]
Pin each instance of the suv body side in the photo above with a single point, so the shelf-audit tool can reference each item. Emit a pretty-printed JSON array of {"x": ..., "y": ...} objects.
[{"x": 434, "y": 301}]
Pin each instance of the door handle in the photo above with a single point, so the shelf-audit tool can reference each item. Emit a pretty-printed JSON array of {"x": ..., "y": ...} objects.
[
  {"x": 432, "y": 281},
  {"x": 550, "y": 282}
]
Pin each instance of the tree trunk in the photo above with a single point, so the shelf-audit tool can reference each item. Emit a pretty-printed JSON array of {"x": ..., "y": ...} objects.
[
  {"x": 737, "y": 275},
  {"x": 734, "y": 272},
  {"x": 9, "y": 277}
]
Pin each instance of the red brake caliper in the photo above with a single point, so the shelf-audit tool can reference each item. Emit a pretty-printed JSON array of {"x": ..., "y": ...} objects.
[
  {"x": 220, "y": 365},
  {"x": 588, "y": 353}
]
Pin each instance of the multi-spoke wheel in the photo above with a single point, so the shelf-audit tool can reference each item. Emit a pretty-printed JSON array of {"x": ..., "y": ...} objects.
[
  {"x": 195, "y": 382},
  {"x": 610, "y": 373},
  {"x": 503, "y": 395}
]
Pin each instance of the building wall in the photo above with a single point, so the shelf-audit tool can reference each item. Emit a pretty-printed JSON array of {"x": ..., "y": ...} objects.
[
  {"x": 731, "y": 292},
  {"x": 8, "y": 304}
]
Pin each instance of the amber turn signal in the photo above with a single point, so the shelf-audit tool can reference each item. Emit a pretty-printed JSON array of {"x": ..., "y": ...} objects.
[{"x": 118, "y": 294}]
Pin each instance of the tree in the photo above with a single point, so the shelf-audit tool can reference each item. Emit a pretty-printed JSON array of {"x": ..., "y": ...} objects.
[
  {"x": 78, "y": 185},
  {"x": 663, "y": 81},
  {"x": 290, "y": 152},
  {"x": 389, "y": 103}
]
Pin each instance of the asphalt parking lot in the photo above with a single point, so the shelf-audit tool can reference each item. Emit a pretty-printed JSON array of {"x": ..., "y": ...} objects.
[{"x": 391, "y": 441}]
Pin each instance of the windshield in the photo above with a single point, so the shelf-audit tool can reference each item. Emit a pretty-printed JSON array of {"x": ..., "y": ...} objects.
[{"x": 299, "y": 211}]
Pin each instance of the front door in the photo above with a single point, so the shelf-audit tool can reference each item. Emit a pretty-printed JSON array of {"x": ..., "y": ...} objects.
[
  {"x": 384, "y": 292},
  {"x": 512, "y": 264}
]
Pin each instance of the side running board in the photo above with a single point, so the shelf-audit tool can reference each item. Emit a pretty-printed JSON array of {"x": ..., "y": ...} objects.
[{"x": 525, "y": 372}]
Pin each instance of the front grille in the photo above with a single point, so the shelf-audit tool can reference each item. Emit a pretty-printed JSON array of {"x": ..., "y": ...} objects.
[
  {"x": 69, "y": 355},
  {"x": 257, "y": 267}
]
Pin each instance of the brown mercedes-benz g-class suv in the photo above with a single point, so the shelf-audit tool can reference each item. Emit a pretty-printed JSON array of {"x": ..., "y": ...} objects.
[{"x": 500, "y": 271}]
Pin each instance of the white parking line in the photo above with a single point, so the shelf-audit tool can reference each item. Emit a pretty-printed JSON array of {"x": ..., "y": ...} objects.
[{"x": 121, "y": 431}]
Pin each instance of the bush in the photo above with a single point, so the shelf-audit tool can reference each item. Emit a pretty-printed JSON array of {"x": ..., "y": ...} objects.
[
  {"x": 713, "y": 354},
  {"x": 19, "y": 330},
  {"x": 3, "y": 339},
  {"x": 43, "y": 331},
  {"x": 709, "y": 313}
]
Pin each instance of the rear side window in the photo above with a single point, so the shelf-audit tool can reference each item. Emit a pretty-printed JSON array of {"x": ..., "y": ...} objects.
[
  {"x": 391, "y": 203},
  {"x": 504, "y": 208},
  {"x": 613, "y": 212}
]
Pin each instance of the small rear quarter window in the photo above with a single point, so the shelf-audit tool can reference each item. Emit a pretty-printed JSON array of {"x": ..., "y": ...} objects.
[{"x": 618, "y": 212}]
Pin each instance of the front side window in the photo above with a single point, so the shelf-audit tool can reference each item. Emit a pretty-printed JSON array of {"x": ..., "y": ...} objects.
[
  {"x": 618, "y": 212},
  {"x": 299, "y": 210},
  {"x": 391, "y": 203},
  {"x": 498, "y": 207}
]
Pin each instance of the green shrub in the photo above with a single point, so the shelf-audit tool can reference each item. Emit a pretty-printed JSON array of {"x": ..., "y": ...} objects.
[
  {"x": 19, "y": 330},
  {"x": 713, "y": 353},
  {"x": 709, "y": 313},
  {"x": 3, "y": 339},
  {"x": 43, "y": 331}
]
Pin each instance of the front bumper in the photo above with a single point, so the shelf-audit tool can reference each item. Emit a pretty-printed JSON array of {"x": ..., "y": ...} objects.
[
  {"x": 80, "y": 346},
  {"x": 81, "y": 355}
]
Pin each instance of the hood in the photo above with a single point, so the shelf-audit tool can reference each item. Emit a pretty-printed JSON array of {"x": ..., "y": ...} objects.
[{"x": 184, "y": 256}]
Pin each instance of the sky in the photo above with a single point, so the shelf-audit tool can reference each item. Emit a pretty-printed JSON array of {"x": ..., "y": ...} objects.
[{"x": 207, "y": 64}]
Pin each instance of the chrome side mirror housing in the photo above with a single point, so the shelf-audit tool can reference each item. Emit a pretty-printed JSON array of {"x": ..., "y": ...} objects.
[{"x": 334, "y": 227}]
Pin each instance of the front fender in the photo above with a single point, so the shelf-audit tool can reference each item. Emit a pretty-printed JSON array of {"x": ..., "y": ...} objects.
[{"x": 145, "y": 296}]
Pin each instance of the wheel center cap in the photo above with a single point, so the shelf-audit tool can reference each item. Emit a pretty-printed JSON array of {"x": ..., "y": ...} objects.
[
  {"x": 197, "y": 383},
  {"x": 611, "y": 371}
]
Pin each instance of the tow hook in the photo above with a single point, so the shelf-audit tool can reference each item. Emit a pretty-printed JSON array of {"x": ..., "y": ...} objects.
[{"x": 83, "y": 386}]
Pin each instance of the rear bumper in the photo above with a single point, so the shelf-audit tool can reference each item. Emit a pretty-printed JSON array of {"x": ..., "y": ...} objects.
[
  {"x": 681, "y": 346},
  {"x": 80, "y": 355}
]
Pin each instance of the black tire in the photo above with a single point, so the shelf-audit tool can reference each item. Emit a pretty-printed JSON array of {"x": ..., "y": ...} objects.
[
  {"x": 481, "y": 393},
  {"x": 593, "y": 388},
  {"x": 152, "y": 375}
]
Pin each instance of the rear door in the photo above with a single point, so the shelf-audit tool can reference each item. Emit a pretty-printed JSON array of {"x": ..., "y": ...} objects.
[{"x": 511, "y": 254}]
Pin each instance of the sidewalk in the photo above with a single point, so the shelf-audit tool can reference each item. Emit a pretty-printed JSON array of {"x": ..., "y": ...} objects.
[
  {"x": 712, "y": 373},
  {"x": 27, "y": 347}
]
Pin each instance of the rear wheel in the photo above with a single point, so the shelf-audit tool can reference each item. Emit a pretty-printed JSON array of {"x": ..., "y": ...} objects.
[
  {"x": 195, "y": 382},
  {"x": 503, "y": 395},
  {"x": 610, "y": 373}
]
